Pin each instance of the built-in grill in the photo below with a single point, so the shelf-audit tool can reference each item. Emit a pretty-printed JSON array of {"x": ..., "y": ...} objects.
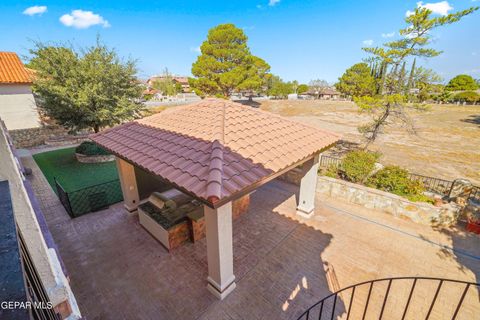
[{"x": 166, "y": 216}]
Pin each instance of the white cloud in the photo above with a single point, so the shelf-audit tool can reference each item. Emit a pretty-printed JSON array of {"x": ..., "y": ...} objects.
[
  {"x": 83, "y": 19},
  {"x": 441, "y": 8},
  {"x": 271, "y": 3},
  {"x": 388, "y": 35},
  {"x": 195, "y": 49},
  {"x": 35, "y": 10},
  {"x": 367, "y": 42}
]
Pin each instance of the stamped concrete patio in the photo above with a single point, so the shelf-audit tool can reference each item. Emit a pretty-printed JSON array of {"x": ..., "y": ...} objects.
[{"x": 283, "y": 264}]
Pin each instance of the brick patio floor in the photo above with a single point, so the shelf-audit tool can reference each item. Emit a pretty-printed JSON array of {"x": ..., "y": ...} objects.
[{"x": 118, "y": 271}]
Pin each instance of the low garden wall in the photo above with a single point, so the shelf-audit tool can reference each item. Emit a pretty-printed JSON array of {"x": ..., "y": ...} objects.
[
  {"x": 419, "y": 212},
  {"x": 51, "y": 135},
  {"x": 27, "y": 138},
  {"x": 94, "y": 159}
]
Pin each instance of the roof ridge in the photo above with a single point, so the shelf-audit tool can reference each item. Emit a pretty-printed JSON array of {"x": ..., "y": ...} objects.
[{"x": 215, "y": 173}]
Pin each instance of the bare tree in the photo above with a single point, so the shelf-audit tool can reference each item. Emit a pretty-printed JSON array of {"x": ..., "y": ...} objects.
[{"x": 317, "y": 86}]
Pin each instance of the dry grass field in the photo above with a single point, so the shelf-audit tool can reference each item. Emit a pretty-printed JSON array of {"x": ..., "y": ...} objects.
[{"x": 446, "y": 144}]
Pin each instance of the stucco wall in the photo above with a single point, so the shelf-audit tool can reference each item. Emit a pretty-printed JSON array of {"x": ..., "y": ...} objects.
[
  {"x": 397, "y": 206},
  {"x": 15, "y": 89},
  {"x": 17, "y": 107},
  {"x": 45, "y": 259}
]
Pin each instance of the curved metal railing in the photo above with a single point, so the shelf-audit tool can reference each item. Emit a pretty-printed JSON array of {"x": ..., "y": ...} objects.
[{"x": 353, "y": 304}]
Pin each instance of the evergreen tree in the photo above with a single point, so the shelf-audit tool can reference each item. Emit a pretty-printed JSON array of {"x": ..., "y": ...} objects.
[
  {"x": 411, "y": 78},
  {"x": 89, "y": 88},
  {"x": 383, "y": 78},
  {"x": 414, "y": 42},
  {"x": 462, "y": 82},
  {"x": 401, "y": 78},
  {"x": 357, "y": 81},
  {"x": 226, "y": 64}
]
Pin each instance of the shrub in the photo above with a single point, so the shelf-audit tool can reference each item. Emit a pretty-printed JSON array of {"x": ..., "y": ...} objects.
[
  {"x": 467, "y": 96},
  {"x": 331, "y": 171},
  {"x": 90, "y": 148},
  {"x": 396, "y": 180},
  {"x": 420, "y": 198},
  {"x": 148, "y": 96},
  {"x": 357, "y": 165}
]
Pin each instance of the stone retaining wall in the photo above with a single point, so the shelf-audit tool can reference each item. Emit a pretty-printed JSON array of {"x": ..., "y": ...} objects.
[
  {"x": 51, "y": 135},
  {"x": 27, "y": 138},
  {"x": 94, "y": 159},
  {"x": 419, "y": 212}
]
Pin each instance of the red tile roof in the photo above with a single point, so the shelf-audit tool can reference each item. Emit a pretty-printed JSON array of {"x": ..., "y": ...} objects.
[
  {"x": 12, "y": 69},
  {"x": 214, "y": 148}
]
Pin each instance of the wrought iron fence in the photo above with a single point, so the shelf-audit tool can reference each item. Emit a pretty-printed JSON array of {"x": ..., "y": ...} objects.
[
  {"x": 475, "y": 194},
  {"x": 400, "y": 298},
  {"x": 432, "y": 184},
  {"x": 327, "y": 161},
  {"x": 89, "y": 199}
]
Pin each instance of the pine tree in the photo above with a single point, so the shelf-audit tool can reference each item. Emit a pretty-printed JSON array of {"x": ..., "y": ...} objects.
[
  {"x": 401, "y": 78},
  {"x": 383, "y": 78},
  {"x": 411, "y": 81}
]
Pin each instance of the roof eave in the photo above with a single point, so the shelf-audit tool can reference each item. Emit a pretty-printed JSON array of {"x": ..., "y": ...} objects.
[{"x": 220, "y": 202}]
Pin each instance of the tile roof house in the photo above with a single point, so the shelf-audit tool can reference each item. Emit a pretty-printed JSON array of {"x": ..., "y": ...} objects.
[
  {"x": 17, "y": 105},
  {"x": 217, "y": 151},
  {"x": 182, "y": 80},
  {"x": 325, "y": 93},
  {"x": 12, "y": 69}
]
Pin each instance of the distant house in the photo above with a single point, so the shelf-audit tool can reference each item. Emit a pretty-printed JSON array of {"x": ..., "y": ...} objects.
[
  {"x": 182, "y": 80},
  {"x": 17, "y": 104},
  {"x": 325, "y": 94}
]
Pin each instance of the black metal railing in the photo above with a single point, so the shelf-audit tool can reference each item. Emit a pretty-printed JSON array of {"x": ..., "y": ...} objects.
[
  {"x": 432, "y": 184},
  {"x": 89, "y": 199},
  {"x": 400, "y": 298},
  {"x": 63, "y": 197},
  {"x": 328, "y": 161},
  {"x": 41, "y": 307},
  {"x": 475, "y": 194}
]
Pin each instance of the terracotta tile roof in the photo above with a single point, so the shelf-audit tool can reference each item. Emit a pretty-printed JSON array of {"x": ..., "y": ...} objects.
[
  {"x": 214, "y": 148},
  {"x": 12, "y": 69}
]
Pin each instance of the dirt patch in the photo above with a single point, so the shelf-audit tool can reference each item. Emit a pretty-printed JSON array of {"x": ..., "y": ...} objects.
[{"x": 446, "y": 144}]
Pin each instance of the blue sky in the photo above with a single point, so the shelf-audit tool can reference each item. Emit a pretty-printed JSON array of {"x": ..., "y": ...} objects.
[{"x": 301, "y": 40}]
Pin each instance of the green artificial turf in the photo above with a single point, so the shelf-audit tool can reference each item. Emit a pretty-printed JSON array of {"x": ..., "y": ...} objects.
[{"x": 71, "y": 174}]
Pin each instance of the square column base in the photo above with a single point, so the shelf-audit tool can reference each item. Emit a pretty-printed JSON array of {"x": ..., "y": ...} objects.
[
  {"x": 305, "y": 212},
  {"x": 213, "y": 288},
  {"x": 130, "y": 208}
]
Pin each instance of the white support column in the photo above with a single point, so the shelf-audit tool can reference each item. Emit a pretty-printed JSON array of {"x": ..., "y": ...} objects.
[
  {"x": 218, "y": 223},
  {"x": 126, "y": 173},
  {"x": 308, "y": 185}
]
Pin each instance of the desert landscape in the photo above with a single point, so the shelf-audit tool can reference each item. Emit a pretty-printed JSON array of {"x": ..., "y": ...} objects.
[{"x": 445, "y": 145}]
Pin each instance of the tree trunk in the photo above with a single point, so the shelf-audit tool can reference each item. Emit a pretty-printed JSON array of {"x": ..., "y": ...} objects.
[{"x": 96, "y": 128}]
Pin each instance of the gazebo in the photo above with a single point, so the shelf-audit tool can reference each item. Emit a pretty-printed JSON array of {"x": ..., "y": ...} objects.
[{"x": 217, "y": 151}]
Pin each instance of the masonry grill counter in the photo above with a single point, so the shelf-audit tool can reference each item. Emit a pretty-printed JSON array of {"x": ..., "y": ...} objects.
[{"x": 173, "y": 217}]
